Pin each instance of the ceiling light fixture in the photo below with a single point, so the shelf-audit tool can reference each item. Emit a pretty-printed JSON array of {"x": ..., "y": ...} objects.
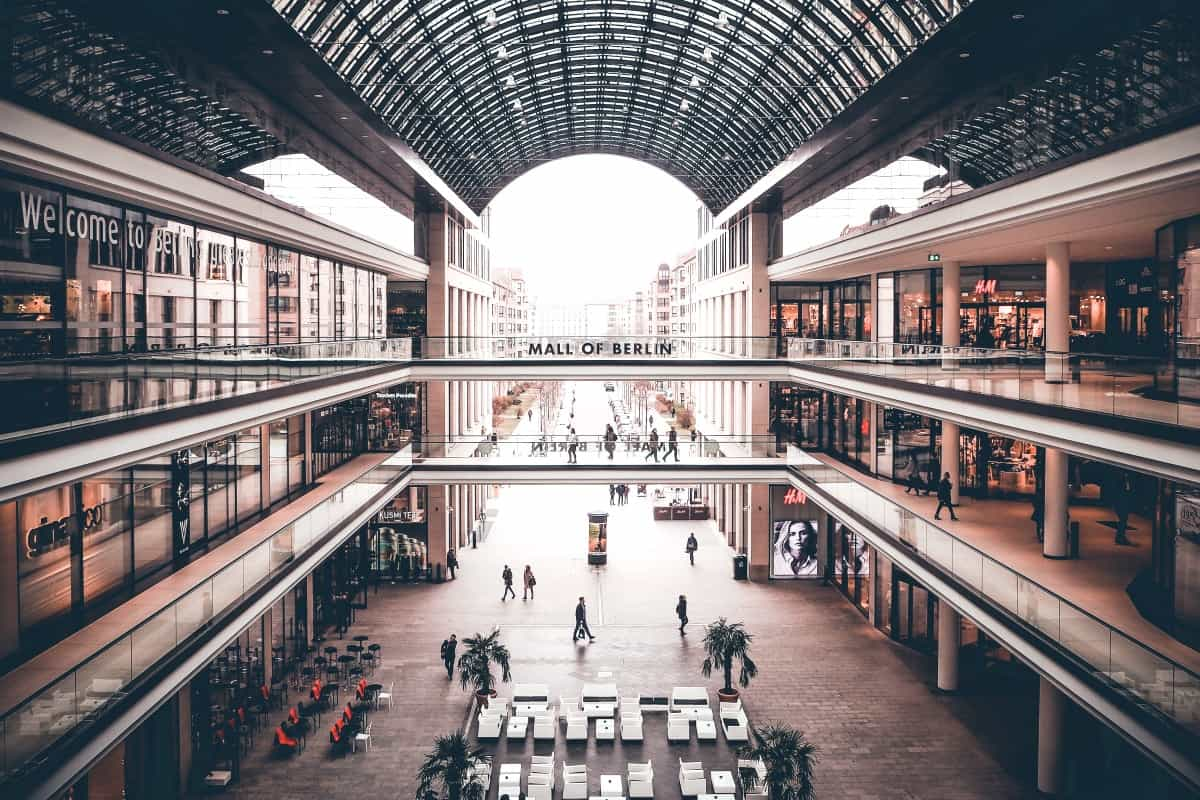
[
  {"x": 268, "y": 52},
  {"x": 904, "y": 97},
  {"x": 723, "y": 21},
  {"x": 964, "y": 54},
  {"x": 222, "y": 12},
  {"x": 708, "y": 55},
  {"x": 489, "y": 19},
  {"x": 685, "y": 105},
  {"x": 342, "y": 117},
  {"x": 502, "y": 52},
  {"x": 1018, "y": 16},
  {"x": 1108, "y": 247},
  {"x": 874, "y": 119},
  {"x": 510, "y": 81},
  {"x": 695, "y": 81},
  {"x": 318, "y": 95}
]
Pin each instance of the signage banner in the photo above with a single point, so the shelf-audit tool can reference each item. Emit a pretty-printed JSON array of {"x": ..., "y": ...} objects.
[{"x": 181, "y": 531}]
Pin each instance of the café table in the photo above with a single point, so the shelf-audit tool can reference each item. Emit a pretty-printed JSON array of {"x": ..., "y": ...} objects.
[{"x": 610, "y": 786}]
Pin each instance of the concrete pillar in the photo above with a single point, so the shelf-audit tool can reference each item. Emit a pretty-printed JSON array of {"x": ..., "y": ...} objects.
[
  {"x": 951, "y": 295},
  {"x": 758, "y": 544},
  {"x": 439, "y": 528},
  {"x": 451, "y": 409},
  {"x": 308, "y": 607},
  {"x": 308, "y": 445},
  {"x": 183, "y": 699},
  {"x": 1052, "y": 706},
  {"x": 264, "y": 459},
  {"x": 452, "y": 321},
  {"x": 268, "y": 623},
  {"x": 950, "y": 441},
  {"x": 739, "y": 315},
  {"x": 949, "y": 640},
  {"x": 1058, "y": 311},
  {"x": 951, "y": 316},
  {"x": 1055, "y": 509}
]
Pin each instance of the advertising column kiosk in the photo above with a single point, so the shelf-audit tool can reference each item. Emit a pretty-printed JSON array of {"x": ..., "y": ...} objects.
[{"x": 598, "y": 537}]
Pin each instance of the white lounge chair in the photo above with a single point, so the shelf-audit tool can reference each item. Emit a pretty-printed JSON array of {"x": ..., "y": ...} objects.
[
  {"x": 631, "y": 726},
  {"x": 545, "y": 725},
  {"x": 567, "y": 704},
  {"x": 577, "y": 727},
  {"x": 679, "y": 728},
  {"x": 385, "y": 697},
  {"x": 692, "y": 780},
  {"x": 541, "y": 763},
  {"x": 489, "y": 725},
  {"x": 575, "y": 782},
  {"x": 640, "y": 780},
  {"x": 735, "y": 725},
  {"x": 760, "y": 769},
  {"x": 539, "y": 791}
]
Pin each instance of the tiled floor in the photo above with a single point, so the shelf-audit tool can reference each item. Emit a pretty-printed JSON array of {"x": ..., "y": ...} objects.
[{"x": 866, "y": 702}]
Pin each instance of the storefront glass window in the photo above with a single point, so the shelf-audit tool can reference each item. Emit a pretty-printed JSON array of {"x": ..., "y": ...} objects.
[
  {"x": 248, "y": 470},
  {"x": 252, "y": 291},
  {"x": 152, "y": 512},
  {"x": 169, "y": 252},
  {"x": 31, "y": 269},
  {"x": 796, "y": 547},
  {"x": 42, "y": 526},
  {"x": 107, "y": 518},
  {"x": 1004, "y": 307},
  {"x": 310, "y": 299},
  {"x": 94, "y": 279},
  {"x": 362, "y": 299},
  {"x": 214, "y": 289},
  {"x": 326, "y": 301},
  {"x": 395, "y": 417},
  {"x": 283, "y": 299},
  {"x": 405, "y": 308}
]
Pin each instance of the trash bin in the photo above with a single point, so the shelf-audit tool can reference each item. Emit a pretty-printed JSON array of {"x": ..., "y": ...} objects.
[
  {"x": 741, "y": 566},
  {"x": 1073, "y": 539}
]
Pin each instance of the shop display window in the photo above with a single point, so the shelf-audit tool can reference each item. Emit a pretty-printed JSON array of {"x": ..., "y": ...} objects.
[
  {"x": 42, "y": 525},
  {"x": 152, "y": 504},
  {"x": 252, "y": 291},
  {"x": 107, "y": 520},
  {"x": 283, "y": 295}
]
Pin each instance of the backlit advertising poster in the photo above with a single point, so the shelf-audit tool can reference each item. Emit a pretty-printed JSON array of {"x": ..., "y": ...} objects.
[
  {"x": 795, "y": 551},
  {"x": 598, "y": 538}
]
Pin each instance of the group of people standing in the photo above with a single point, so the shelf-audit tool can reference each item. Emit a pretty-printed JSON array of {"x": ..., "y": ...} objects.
[{"x": 618, "y": 494}]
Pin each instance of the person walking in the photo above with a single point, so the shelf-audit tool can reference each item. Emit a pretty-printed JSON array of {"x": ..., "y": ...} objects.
[
  {"x": 691, "y": 547},
  {"x": 530, "y": 582},
  {"x": 507, "y": 576},
  {"x": 672, "y": 445},
  {"x": 581, "y": 626},
  {"x": 451, "y": 562},
  {"x": 612, "y": 494},
  {"x": 1122, "y": 505},
  {"x": 1039, "y": 513},
  {"x": 652, "y": 446},
  {"x": 610, "y": 441},
  {"x": 448, "y": 648},
  {"x": 915, "y": 484},
  {"x": 944, "y": 489},
  {"x": 572, "y": 447},
  {"x": 681, "y": 612},
  {"x": 530, "y": 415}
]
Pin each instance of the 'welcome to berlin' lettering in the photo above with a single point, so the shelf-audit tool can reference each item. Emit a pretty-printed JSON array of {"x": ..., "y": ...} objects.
[{"x": 601, "y": 348}]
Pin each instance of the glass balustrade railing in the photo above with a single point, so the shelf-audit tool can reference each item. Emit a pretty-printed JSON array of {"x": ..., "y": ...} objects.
[
  {"x": 593, "y": 450},
  {"x": 78, "y": 696},
  {"x": 1125, "y": 386},
  {"x": 45, "y": 396},
  {"x": 1143, "y": 674}
]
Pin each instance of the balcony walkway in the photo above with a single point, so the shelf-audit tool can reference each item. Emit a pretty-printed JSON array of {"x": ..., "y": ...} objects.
[{"x": 1095, "y": 582}]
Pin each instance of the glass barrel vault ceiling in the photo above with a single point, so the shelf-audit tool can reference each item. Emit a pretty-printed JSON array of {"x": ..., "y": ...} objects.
[
  {"x": 60, "y": 60},
  {"x": 715, "y": 93}
]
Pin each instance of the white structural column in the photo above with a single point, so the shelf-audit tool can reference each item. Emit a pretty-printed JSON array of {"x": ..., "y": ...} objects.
[
  {"x": 1058, "y": 311},
  {"x": 1052, "y": 706},
  {"x": 949, "y": 639},
  {"x": 951, "y": 324},
  {"x": 739, "y": 502},
  {"x": 1055, "y": 510},
  {"x": 758, "y": 544},
  {"x": 739, "y": 323},
  {"x": 950, "y": 440}
]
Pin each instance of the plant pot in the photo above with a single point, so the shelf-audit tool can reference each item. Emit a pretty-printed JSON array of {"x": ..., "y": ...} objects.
[
  {"x": 483, "y": 697},
  {"x": 727, "y": 697}
]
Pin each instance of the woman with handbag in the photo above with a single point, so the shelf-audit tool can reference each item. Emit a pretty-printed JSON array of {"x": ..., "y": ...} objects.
[{"x": 530, "y": 582}]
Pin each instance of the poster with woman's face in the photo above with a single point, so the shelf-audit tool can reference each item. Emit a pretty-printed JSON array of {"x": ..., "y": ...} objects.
[{"x": 795, "y": 551}]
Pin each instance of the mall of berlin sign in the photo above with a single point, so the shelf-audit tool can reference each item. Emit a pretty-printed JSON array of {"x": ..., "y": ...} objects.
[{"x": 598, "y": 348}]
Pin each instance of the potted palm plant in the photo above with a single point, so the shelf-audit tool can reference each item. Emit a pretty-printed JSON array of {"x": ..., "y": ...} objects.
[
  {"x": 727, "y": 643},
  {"x": 475, "y": 664},
  {"x": 454, "y": 766},
  {"x": 778, "y": 762}
]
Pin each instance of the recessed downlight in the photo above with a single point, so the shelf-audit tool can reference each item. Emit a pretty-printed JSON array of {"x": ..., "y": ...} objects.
[{"x": 267, "y": 52}]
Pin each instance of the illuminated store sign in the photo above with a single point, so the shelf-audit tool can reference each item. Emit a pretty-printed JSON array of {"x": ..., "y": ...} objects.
[{"x": 593, "y": 348}]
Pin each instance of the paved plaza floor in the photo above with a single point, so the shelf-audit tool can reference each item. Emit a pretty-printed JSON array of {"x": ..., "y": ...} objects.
[{"x": 866, "y": 702}]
